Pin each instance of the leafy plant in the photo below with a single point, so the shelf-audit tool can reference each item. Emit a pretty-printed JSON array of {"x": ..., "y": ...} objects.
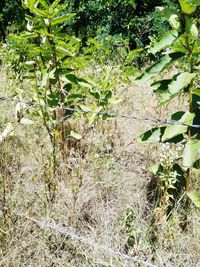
[
  {"x": 182, "y": 42},
  {"x": 49, "y": 61}
]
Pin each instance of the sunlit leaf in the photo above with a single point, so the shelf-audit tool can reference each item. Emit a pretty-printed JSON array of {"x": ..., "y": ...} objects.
[
  {"x": 174, "y": 130},
  {"x": 158, "y": 67},
  {"x": 166, "y": 40},
  {"x": 61, "y": 19},
  {"x": 153, "y": 135},
  {"x": 171, "y": 88},
  {"x": 191, "y": 152}
]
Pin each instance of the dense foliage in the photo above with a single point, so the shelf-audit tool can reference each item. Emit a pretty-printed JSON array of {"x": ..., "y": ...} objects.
[{"x": 133, "y": 19}]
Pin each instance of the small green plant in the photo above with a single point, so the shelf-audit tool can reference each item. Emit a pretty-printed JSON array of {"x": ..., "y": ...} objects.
[
  {"x": 47, "y": 63},
  {"x": 182, "y": 42}
]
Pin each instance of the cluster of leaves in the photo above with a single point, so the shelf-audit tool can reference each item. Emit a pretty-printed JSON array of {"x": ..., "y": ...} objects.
[
  {"x": 183, "y": 43},
  {"x": 49, "y": 60},
  {"x": 133, "y": 21}
]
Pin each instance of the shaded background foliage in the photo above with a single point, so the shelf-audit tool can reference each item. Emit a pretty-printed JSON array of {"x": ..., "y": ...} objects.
[
  {"x": 12, "y": 17},
  {"x": 132, "y": 19}
]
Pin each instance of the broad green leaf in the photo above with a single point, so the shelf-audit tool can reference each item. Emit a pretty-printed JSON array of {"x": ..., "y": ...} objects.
[
  {"x": 190, "y": 153},
  {"x": 61, "y": 19},
  {"x": 180, "y": 81},
  {"x": 153, "y": 135},
  {"x": 160, "y": 86},
  {"x": 195, "y": 197},
  {"x": 64, "y": 50},
  {"x": 27, "y": 35},
  {"x": 74, "y": 97},
  {"x": 174, "y": 130},
  {"x": 158, "y": 67},
  {"x": 166, "y": 97},
  {"x": 64, "y": 36},
  {"x": 166, "y": 41},
  {"x": 39, "y": 12},
  {"x": 171, "y": 88},
  {"x": 75, "y": 135}
]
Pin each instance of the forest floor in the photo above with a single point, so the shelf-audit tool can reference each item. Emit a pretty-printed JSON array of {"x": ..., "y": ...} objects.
[{"x": 100, "y": 214}]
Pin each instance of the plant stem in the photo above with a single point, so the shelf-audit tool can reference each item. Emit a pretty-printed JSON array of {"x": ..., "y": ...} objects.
[{"x": 191, "y": 70}]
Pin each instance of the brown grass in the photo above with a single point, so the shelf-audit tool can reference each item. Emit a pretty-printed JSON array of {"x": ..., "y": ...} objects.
[{"x": 103, "y": 181}]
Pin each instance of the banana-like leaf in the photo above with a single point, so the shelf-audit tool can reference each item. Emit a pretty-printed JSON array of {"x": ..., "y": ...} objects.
[
  {"x": 195, "y": 197},
  {"x": 174, "y": 130},
  {"x": 191, "y": 152},
  {"x": 166, "y": 41},
  {"x": 158, "y": 67}
]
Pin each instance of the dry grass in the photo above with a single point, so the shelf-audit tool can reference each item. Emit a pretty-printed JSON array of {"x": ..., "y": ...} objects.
[{"x": 103, "y": 181}]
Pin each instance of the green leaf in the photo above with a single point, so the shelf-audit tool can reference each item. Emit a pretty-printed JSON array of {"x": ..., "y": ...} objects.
[
  {"x": 188, "y": 6},
  {"x": 64, "y": 50},
  {"x": 54, "y": 5},
  {"x": 44, "y": 3},
  {"x": 155, "y": 169},
  {"x": 39, "y": 12},
  {"x": 153, "y": 135},
  {"x": 166, "y": 41},
  {"x": 61, "y": 19},
  {"x": 196, "y": 92},
  {"x": 180, "y": 81},
  {"x": 175, "y": 130},
  {"x": 27, "y": 35},
  {"x": 158, "y": 67},
  {"x": 74, "y": 97},
  {"x": 171, "y": 88},
  {"x": 160, "y": 86},
  {"x": 84, "y": 83},
  {"x": 190, "y": 153},
  {"x": 75, "y": 135},
  {"x": 195, "y": 197}
]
